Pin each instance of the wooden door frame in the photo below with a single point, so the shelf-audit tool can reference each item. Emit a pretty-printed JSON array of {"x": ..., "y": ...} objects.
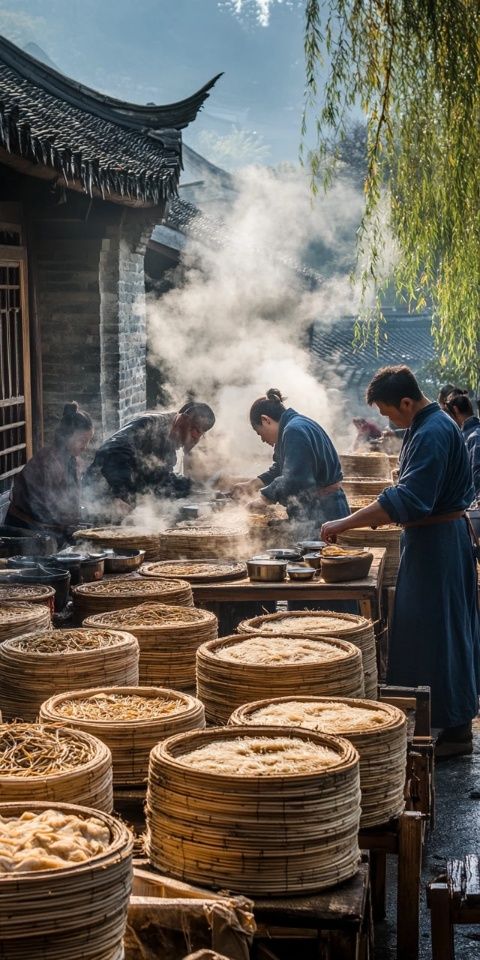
[{"x": 17, "y": 256}]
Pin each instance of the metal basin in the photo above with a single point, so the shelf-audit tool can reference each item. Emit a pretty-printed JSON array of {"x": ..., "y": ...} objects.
[{"x": 267, "y": 571}]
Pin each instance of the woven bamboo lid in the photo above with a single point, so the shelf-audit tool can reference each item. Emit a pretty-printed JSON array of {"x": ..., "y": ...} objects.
[
  {"x": 387, "y": 536},
  {"x": 377, "y": 730},
  {"x": 35, "y": 666},
  {"x": 72, "y": 912},
  {"x": 258, "y": 810}
]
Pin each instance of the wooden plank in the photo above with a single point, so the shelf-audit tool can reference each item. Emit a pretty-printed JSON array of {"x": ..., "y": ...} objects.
[
  {"x": 472, "y": 880},
  {"x": 410, "y": 843},
  {"x": 342, "y": 906}
]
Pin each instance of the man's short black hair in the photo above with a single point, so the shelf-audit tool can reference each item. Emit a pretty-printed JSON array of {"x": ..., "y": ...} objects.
[
  {"x": 461, "y": 403},
  {"x": 200, "y": 414},
  {"x": 391, "y": 385}
]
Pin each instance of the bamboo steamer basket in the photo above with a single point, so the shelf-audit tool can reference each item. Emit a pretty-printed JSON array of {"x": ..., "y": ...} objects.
[
  {"x": 260, "y": 834},
  {"x": 387, "y": 537},
  {"x": 196, "y": 571},
  {"x": 382, "y": 747},
  {"x": 365, "y": 464},
  {"x": 129, "y": 741},
  {"x": 225, "y": 682},
  {"x": 168, "y": 637},
  {"x": 74, "y": 913},
  {"x": 319, "y": 623},
  {"x": 28, "y": 675},
  {"x": 122, "y": 538},
  {"x": 121, "y": 592},
  {"x": 29, "y": 593},
  {"x": 364, "y": 487},
  {"x": 203, "y": 542},
  {"x": 17, "y": 618},
  {"x": 393, "y": 460},
  {"x": 89, "y": 782}
]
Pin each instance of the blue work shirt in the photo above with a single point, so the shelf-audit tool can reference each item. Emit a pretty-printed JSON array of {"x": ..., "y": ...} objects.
[
  {"x": 471, "y": 435},
  {"x": 304, "y": 459}
]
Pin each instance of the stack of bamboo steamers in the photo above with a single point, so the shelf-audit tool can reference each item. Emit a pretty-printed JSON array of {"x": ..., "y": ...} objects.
[{"x": 267, "y": 802}]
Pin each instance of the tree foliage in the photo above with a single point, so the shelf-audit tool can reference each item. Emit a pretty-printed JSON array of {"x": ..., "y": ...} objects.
[{"x": 413, "y": 66}]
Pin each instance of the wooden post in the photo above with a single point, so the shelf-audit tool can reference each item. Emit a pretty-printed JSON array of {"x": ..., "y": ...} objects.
[
  {"x": 410, "y": 837},
  {"x": 443, "y": 947}
]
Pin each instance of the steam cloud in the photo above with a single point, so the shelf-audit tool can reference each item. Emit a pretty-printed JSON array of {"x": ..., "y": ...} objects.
[{"x": 235, "y": 323}]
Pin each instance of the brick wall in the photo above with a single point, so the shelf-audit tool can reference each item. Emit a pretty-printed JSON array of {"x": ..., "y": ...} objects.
[
  {"x": 123, "y": 320},
  {"x": 90, "y": 296}
]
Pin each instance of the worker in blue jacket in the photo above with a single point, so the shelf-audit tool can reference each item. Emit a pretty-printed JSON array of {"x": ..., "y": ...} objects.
[
  {"x": 460, "y": 407},
  {"x": 305, "y": 476}
]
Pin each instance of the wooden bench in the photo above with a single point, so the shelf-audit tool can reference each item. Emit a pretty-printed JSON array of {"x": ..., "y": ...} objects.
[{"x": 453, "y": 898}]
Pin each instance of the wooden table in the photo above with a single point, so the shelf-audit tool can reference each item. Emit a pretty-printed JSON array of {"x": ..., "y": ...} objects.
[{"x": 368, "y": 592}]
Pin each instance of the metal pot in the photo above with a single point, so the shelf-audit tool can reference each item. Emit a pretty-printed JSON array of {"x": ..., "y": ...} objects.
[
  {"x": 92, "y": 567},
  {"x": 279, "y": 553},
  {"x": 51, "y": 575},
  {"x": 311, "y": 546},
  {"x": 16, "y": 541},
  {"x": 313, "y": 559},
  {"x": 124, "y": 561},
  {"x": 71, "y": 562},
  {"x": 267, "y": 571}
]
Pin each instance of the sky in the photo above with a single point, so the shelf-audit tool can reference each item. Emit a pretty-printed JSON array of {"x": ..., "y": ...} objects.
[{"x": 163, "y": 50}]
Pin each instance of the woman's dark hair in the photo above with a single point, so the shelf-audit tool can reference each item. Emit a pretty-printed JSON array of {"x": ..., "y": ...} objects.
[
  {"x": 446, "y": 391},
  {"x": 391, "y": 385},
  {"x": 460, "y": 403},
  {"x": 73, "y": 420},
  {"x": 271, "y": 405},
  {"x": 199, "y": 414}
]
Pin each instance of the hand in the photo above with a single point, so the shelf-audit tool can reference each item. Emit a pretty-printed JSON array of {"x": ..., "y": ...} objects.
[
  {"x": 331, "y": 529},
  {"x": 258, "y": 505},
  {"x": 242, "y": 489}
]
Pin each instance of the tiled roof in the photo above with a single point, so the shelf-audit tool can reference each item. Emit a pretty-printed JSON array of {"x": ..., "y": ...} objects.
[
  {"x": 403, "y": 339},
  {"x": 104, "y": 144}
]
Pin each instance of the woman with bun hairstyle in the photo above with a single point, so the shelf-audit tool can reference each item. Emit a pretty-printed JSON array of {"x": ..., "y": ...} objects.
[
  {"x": 305, "y": 476},
  {"x": 46, "y": 494}
]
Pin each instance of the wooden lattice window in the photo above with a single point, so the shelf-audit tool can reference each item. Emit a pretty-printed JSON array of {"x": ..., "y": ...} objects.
[{"x": 15, "y": 402}]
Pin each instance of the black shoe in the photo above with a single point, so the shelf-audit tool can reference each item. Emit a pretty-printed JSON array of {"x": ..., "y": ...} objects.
[{"x": 454, "y": 742}]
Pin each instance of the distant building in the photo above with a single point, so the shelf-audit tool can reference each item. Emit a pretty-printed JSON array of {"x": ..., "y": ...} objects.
[
  {"x": 84, "y": 178},
  {"x": 404, "y": 338}
]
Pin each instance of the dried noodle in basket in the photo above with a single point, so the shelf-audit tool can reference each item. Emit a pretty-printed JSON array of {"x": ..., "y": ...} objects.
[
  {"x": 377, "y": 730},
  {"x": 121, "y": 538},
  {"x": 312, "y": 623},
  {"x": 234, "y": 670},
  {"x": 129, "y": 720},
  {"x": 40, "y": 762},
  {"x": 35, "y": 666},
  {"x": 64, "y": 912},
  {"x": 28, "y": 592},
  {"x": 168, "y": 637},
  {"x": 202, "y": 542},
  {"x": 121, "y": 592},
  {"x": 264, "y": 812},
  {"x": 17, "y": 618}
]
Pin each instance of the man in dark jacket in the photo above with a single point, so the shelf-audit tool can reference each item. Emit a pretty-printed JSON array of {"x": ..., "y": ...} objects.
[
  {"x": 460, "y": 407},
  {"x": 140, "y": 458}
]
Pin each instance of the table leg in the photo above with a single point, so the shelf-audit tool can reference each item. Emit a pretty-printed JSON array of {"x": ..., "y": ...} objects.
[
  {"x": 366, "y": 609},
  {"x": 410, "y": 839},
  {"x": 378, "y": 872},
  {"x": 443, "y": 947}
]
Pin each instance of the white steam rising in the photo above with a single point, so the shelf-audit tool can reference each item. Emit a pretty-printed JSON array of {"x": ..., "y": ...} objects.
[{"x": 235, "y": 324}]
